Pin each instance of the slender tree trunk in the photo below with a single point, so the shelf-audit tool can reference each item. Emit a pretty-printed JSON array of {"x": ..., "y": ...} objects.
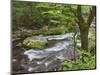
[{"x": 84, "y": 38}]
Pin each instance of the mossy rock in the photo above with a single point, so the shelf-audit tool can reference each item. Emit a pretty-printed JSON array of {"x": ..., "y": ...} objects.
[
  {"x": 58, "y": 30},
  {"x": 35, "y": 42},
  {"x": 54, "y": 30}
]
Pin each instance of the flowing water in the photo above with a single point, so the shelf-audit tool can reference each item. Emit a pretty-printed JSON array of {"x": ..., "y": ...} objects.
[{"x": 58, "y": 49}]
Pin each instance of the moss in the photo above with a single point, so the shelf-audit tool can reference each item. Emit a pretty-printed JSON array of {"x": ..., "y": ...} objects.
[
  {"x": 44, "y": 31},
  {"x": 58, "y": 30},
  {"x": 54, "y": 30},
  {"x": 35, "y": 42}
]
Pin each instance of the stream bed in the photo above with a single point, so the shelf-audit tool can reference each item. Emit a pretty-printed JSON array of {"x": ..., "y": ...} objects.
[{"x": 58, "y": 49}]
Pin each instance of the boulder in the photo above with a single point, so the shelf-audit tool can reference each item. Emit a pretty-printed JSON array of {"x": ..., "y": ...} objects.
[{"x": 37, "y": 42}]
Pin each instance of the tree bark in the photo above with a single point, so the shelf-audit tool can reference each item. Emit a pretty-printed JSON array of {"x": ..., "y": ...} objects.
[
  {"x": 84, "y": 38},
  {"x": 84, "y": 26}
]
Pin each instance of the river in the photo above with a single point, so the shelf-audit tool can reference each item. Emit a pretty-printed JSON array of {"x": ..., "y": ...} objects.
[{"x": 58, "y": 49}]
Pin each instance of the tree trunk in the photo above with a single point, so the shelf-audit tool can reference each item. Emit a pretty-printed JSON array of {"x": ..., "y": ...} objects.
[
  {"x": 84, "y": 25},
  {"x": 84, "y": 38}
]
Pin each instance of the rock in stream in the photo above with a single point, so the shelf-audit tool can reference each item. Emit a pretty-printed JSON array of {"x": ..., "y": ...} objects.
[{"x": 51, "y": 57}]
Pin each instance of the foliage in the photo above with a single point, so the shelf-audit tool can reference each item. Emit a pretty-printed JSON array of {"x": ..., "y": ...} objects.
[
  {"x": 36, "y": 15},
  {"x": 92, "y": 41},
  {"x": 51, "y": 19},
  {"x": 84, "y": 61}
]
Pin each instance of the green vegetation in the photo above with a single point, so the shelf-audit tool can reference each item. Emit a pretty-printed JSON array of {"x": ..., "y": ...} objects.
[
  {"x": 30, "y": 20},
  {"x": 53, "y": 30},
  {"x": 92, "y": 43},
  {"x": 84, "y": 61}
]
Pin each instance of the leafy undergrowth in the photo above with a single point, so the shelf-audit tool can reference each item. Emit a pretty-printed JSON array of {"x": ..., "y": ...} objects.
[{"x": 84, "y": 61}]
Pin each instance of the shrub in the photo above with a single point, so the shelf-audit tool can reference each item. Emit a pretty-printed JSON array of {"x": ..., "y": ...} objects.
[{"x": 85, "y": 61}]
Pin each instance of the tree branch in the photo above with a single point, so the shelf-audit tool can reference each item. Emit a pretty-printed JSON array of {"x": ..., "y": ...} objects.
[
  {"x": 79, "y": 14},
  {"x": 92, "y": 15}
]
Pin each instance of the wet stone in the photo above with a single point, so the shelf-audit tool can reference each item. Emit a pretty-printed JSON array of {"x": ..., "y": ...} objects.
[{"x": 51, "y": 57}]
